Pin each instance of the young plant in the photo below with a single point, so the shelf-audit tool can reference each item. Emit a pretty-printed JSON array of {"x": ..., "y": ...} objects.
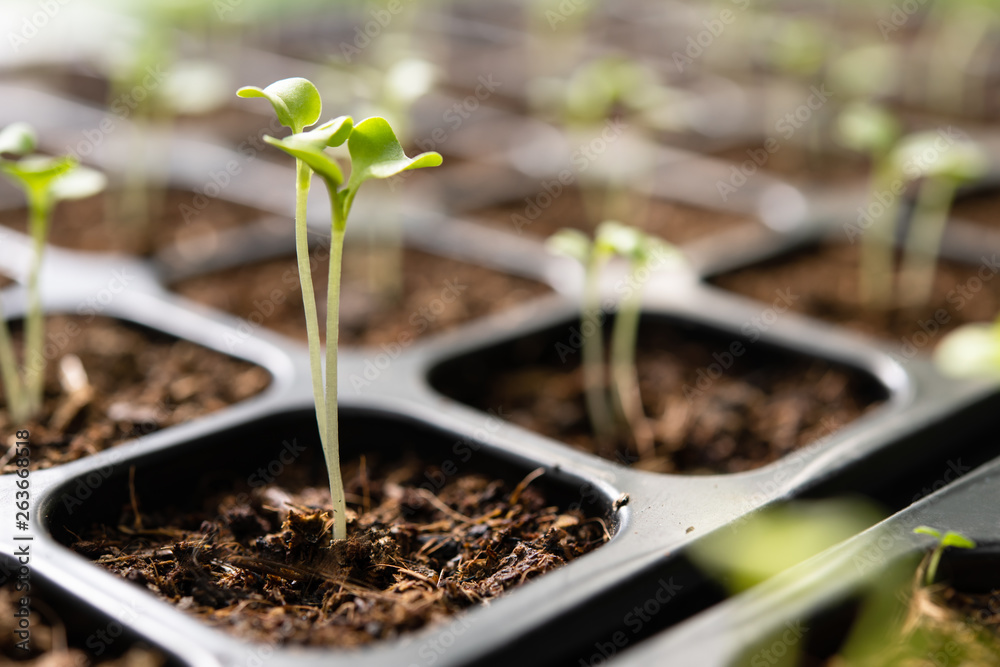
[
  {"x": 45, "y": 181},
  {"x": 375, "y": 153},
  {"x": 641, "y": 251},
  {"x": 961, "y": 163},
  {"x": 948, "y": 539},
  {"x": 939, "y": 172},
  {"x": 873, "y": 131}
]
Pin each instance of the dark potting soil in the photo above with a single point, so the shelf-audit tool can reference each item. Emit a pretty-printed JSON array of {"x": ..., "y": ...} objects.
[
  {"x": 675, "y": 222},
  {"x": 141, "y": 382},
  {"x": 712, "y": 404},
  {"x": 981, "y": 208},
  {"x": 437, "y": 294},
  {"x": 94, "y": 224},
  {"x": 822, "y": 282},
  {"x": 257, "y": 562},
  {"x": 52, "y": 644}
]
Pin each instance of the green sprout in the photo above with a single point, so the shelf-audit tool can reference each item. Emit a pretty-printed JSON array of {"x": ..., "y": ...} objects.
[
  {"x": 873, "y": 131},
  {"x": 961, "y": 163},
  {"x": 939, "y": 172},
  {"x": 640, "y": 250},
  {"x": 45, "y": 181},
  {"x": 375, "y": 153},
  {"x": 972, "y": 350},
  {"x": 597, "y": 91},
  {"x": 948, "y": 539}
]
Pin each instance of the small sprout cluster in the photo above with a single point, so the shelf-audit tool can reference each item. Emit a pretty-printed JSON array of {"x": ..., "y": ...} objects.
[
  {"x": 622, "y": 407},
  {"x": 375, "y": 153},
  {"x": 948, "y": 539},
  {"x": 45, "y": 181}
]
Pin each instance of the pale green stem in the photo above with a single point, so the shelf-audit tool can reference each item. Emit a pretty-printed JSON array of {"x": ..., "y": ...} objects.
[
  {"x": 624, "y": 377},
  {"x": 593, "y": 356},
  {"x": 332, "y": 443},
  {"x": 924, "y": 240},
  {"x": 878, "y": 243},
  {"x": 13, "y": 387},
  {"x": 932, "y": 566},
  {"x": 961, "y": 36},
  {"x": 40, "y": 207},
  {"x": 303, "y": 177}
]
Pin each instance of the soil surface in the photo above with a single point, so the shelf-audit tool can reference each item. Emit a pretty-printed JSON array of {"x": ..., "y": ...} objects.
[
  {"x": 796, "y": 164},
  {"x": 49, "y": 645},
  {"x": 257, "y": 561},
  {"x": 675, "y": 222},
  {"x": 140, "y": 381},
  {"x": 95, "y": 223},
  {"x": 982, "y": 209},
  {"x": 707, "y": 409},
  {"x": 823, "y": 283},
  {"x": 436, "y": 294}
]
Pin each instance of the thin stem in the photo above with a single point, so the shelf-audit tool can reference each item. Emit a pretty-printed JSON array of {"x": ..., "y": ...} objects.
[
  {"x": 877, "y": 245},
  {"x": 932, "y": 566},
  {"x": 13, "y": 386},
  {"x": 624, "y": 377},
  {"x": 332, "y": 444},
  {"x": 40, "y": 208},
  {"x": 924, "y": 240},
  {"x": 593, "y": 356},
  {"x": 303, "y": 177}
]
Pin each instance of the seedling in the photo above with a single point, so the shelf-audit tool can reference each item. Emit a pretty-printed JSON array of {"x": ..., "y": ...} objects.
[
  {"x": 150, "y": 85},
  {"x": 598, "y": 91},
  {"x": 46, "y": 181},
  {"x": 960, "y": 163},
  {"x": 939, "y": 171},
  {"x": 957, "y": 31},
  {"x": 640, "y": 251},
  {"x": 948, "y": 539},
  {"x": 375, "y": 153},
  {"x": 873, "y": 131}
]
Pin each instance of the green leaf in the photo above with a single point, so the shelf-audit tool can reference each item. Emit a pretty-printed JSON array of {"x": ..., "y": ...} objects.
[
  {"x": 633, "y": 244},
  {"x": 867, "y": 128},
  {"x": 78, "y": 183},
  {"x": 957, "y": 540},
  {"x": 923, "y": 153},
  {"x": 972, "y": 350},
  {"x": 376, "y": 153},
  {"x": 18, "y": 138},
  {"x": 927, "y": 530},
  {"x": 615, "y": 238},
  {"x": 295, "y": 100},
  {"x": 331, "y": 133},
  {"x": 314, "y": 155},
  {"x": 37, "y": 172},
  {"x": 570, "y": 243}
]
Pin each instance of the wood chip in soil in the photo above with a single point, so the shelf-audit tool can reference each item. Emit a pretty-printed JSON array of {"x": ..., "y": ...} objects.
[
  {"x": 257, "y": 561},
  {"x": 53, "y": 644},
  {"x": 822, "y": 282},
  {"x": 142, "y": 382},
  {"x": 677, "y": 223},
  {"x": 93, "y": 223},
  {"x": 437, "y": 294},
  {"x": 702, "y": 418}
]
